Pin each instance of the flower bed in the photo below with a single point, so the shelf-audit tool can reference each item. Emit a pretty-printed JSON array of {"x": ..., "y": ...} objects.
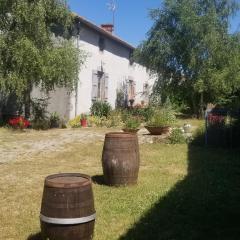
[{"x": 19, "y": 123}]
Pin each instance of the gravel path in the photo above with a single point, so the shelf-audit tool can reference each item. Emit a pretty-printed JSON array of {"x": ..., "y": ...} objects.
[
  {"x": 15, "y": 145},
  {"x": 23, "y": 145}
]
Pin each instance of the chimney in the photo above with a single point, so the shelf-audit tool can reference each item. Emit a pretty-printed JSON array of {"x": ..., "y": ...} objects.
[{"x": 107, "y": 27}]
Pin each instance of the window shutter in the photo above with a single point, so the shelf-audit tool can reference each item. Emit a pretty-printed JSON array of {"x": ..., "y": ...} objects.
[
  {"x": 134, "y": 89},
  {"x": 94, "y": 85},
  {"x": 101, "y": 43},
  {"x": 106, "y": 77}
]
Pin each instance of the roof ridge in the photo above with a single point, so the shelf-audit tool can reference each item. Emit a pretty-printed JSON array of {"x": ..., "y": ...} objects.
[{"x": 102, "y": 31}]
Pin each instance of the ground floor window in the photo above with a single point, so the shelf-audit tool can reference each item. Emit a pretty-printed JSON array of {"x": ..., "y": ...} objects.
[
  {"x": 146, "y": 94},
  {"x": 131, "y": 91}
]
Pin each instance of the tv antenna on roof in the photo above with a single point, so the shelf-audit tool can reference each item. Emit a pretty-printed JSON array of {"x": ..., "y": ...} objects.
[{"x": 112, "y": 6}]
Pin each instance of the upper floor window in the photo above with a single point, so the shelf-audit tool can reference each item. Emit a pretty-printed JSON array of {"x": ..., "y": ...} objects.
[
  {"x": 101, "y": 43},
  {"x": 99, "y": 86},
  {"x": 131, "y": 59}
]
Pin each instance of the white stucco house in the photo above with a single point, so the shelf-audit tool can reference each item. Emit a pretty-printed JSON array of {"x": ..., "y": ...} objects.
[{"x": 108, "y": 69}]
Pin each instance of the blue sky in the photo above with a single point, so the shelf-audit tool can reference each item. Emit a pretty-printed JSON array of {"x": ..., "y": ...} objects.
[{"x": 132, "y": 20}]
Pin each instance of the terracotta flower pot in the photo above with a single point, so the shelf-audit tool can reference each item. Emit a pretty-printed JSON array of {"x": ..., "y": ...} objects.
[
  {"x": 83, "y": 122},
  {"x": 129, "y": 130},
  {"x": 158, "y": 130}
]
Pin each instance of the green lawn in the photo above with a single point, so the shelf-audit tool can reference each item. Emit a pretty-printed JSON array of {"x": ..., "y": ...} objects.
[{"x": 183, "y": 193}]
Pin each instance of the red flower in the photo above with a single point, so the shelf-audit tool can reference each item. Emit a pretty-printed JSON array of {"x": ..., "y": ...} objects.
[{"x": 19, "y": 122}]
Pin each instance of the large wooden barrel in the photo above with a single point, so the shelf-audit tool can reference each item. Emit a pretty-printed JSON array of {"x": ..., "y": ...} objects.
[
  {"x": 120, "y": 159},
  {"x": 67, "y": 211}
]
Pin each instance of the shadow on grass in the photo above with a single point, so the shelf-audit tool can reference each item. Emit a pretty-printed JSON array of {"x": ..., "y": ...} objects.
[
  {"x": 98, "y": 179},
  {"x": 205, "y": 205},
  {"x": 36, "y": 236}
]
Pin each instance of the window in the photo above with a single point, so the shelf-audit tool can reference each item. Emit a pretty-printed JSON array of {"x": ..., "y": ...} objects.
[
  {"x": 146, "y": 93},
  {"x": 101, "y": 43},
  {"x": 146, "y": 89},
  {"x": 99, "y": 86},
  {"x": 131, "y": 89},
  {"x": 131, "y": 60}
]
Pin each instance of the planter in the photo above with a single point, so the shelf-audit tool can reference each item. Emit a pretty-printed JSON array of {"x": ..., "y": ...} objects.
[
  {"x": 83, "y": 122},
  {"x": 129, "y": 130},
  {"x": 158, "y": 130}
]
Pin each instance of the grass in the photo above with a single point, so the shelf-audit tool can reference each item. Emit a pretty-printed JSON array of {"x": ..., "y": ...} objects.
[
  {"x": 183, "y": 193},
  {"x": 193, "y": 121}
]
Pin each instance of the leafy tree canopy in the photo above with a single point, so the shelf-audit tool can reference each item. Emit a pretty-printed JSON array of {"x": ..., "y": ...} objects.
[
  {"x": 190, "y": 48},
  {"x": 35, "y": 46}
]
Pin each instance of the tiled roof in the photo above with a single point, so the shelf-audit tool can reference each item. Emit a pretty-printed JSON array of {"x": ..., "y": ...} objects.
[{"x": 104, "y": 32}]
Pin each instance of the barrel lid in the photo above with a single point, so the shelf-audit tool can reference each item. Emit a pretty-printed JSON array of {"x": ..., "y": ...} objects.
[
  {"x": 67, "y": 180},
  {"x": 120, "y": 135}
]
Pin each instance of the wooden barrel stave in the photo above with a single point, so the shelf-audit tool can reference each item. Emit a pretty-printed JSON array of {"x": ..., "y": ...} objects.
[
  {"x": 64, "y": 203},
  {"x": 62, "y": 232}
]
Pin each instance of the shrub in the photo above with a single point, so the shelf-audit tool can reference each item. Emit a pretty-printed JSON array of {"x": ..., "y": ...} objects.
[
  {"x": 40, "y": 124},
  {"x": 177, "y": 136},
  {"x": 114, "y": 119},
  {"x": 125, "y": 114},
  {"x": 101, "y": 109},
  {"x": 1, "y": 122},
  {"x": 40, "y": 119},
  {"x": 132, "y": 123},
  {"x": 162, "y": 118},
  {"x": 62, "y": 123},
  {"x": 75, "y": 123},
  {"x": 95, "y": 121},
  {"x": 54, "y": 120},
  {"x": 144, "y": 113}
]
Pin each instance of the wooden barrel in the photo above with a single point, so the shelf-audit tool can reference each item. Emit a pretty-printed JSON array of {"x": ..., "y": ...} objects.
[
  {"x": 67, "y": 210},
  {"x": 120, "y": 159}
]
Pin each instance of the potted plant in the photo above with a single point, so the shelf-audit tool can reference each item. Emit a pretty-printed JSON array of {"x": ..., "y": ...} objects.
[
  {"x": 83, "y": 120},
  {"x": 132, "y": 125},
  {"x": 161, "y": 121}
]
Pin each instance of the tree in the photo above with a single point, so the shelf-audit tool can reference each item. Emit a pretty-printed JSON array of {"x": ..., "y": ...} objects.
[
  {"x": 189, "y": 46},
  {"x": 36, "y": 48}
]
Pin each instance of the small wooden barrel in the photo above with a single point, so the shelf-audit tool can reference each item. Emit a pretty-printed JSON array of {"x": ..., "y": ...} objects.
[
  {"x": 120, "y": 159},
  {"x": 67, "y": 210}
]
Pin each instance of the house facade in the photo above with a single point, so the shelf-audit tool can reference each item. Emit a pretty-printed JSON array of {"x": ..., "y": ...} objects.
[{"x": 108, "y": 74}]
